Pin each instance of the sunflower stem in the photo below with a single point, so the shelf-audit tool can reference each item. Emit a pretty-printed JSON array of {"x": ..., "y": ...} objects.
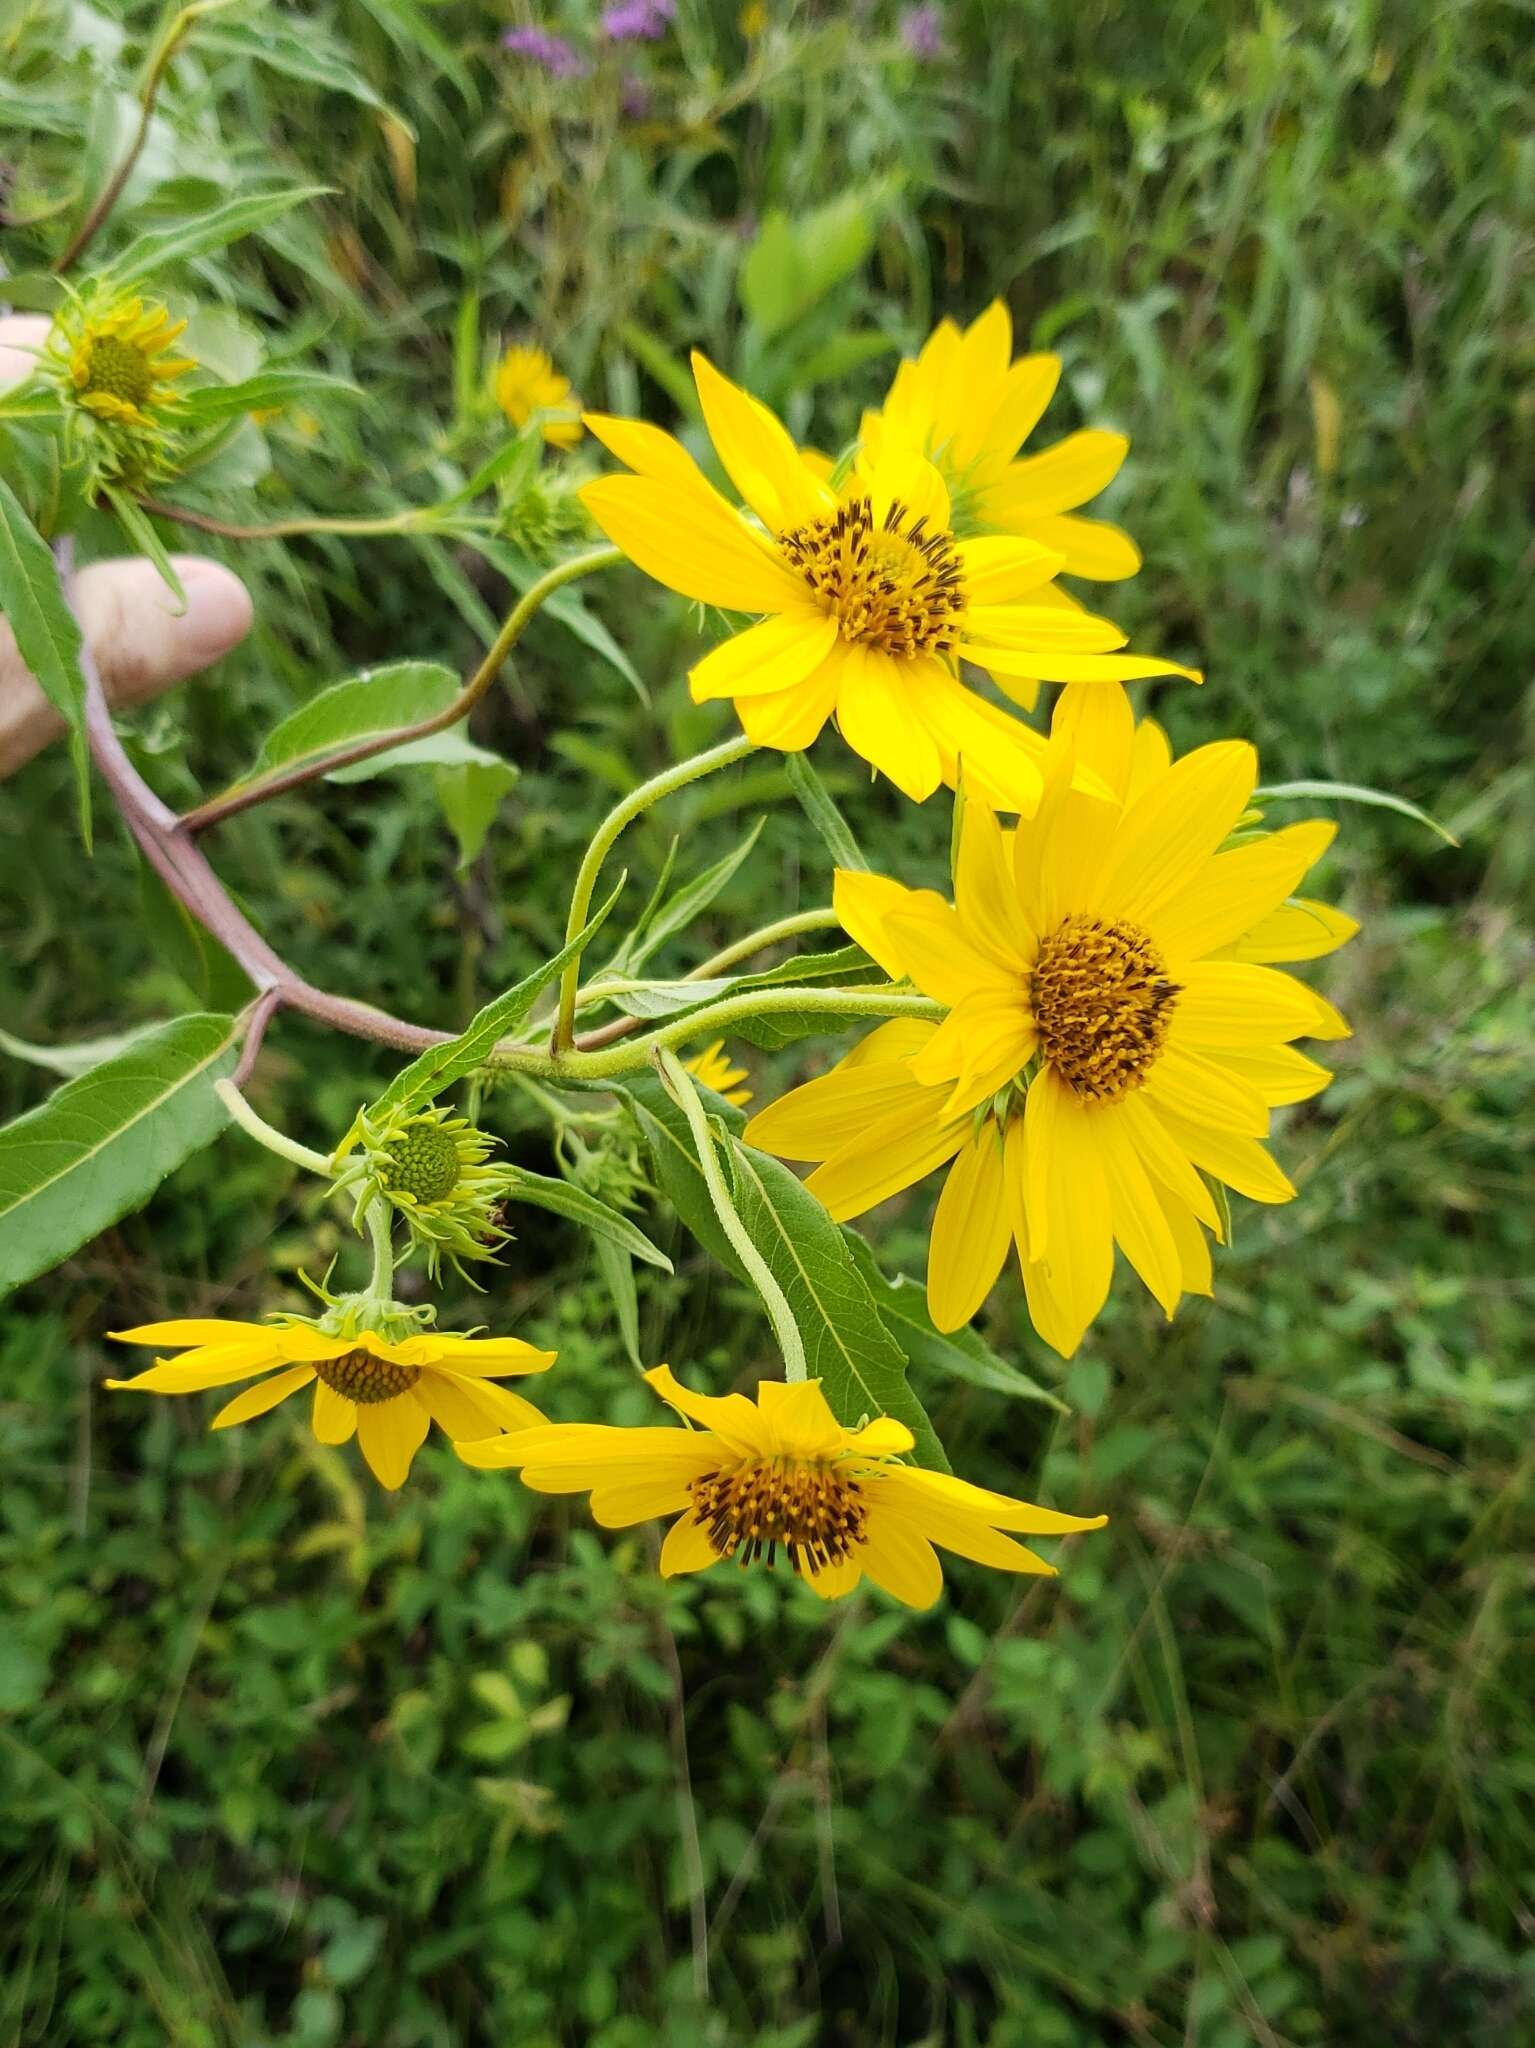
[
  {"x": 381, "y": 1280},
  {"x": 680, "y": 1083},
  {"x": 622, "y": 814},
  {"x": 257, "y": 1127}
]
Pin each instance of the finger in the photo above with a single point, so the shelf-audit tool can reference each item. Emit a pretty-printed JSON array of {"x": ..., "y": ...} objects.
[
  {"x": 141, "y": 642},
  {"x": 141, "y": 638},
  {"x": 21, "y": 335}
]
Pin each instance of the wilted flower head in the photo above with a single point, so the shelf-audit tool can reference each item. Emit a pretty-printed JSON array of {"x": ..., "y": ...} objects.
[
  {"x": 558, "y": 57},
  {"x": 922, "y": 32},
  {"x": 631, "y": 21}
]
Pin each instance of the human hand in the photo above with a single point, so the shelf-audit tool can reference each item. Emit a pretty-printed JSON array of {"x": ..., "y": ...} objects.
[{"x": 141, "y": 643}]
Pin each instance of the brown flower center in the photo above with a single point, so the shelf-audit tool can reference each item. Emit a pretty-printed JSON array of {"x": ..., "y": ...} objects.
[
  {"x": 116, "y": 366},
  {"x": 815, "y": 1511},
  {"x": 898, "y": 588},
  {"x": 365, "y": 1379},
  {"x": 1102, "y": 1002}
]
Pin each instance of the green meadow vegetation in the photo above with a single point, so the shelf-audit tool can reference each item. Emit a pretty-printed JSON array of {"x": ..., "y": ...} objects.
[{"x": 287, "y": 1762}]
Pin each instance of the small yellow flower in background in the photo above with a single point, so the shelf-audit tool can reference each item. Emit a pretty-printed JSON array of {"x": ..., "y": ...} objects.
[
  {"x": 1116, "y": 1029},
  {"x": 527, "y": 383},
  {"x": 752, "y": 19},
  {"x": 868, "y": 599},
  {"x": 967, "y": 405},
  {"x": 713, "y": 1067},
  {"x": 780, "y": 1473},
  {"x": 386, "y": 1392},
  {"x": 109, "y": 355}
]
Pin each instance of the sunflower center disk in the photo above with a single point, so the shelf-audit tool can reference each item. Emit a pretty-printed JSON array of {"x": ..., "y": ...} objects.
[
  {"x": 424, "y": 1163},
  {"x": 896, "y": 587},
  {"x": 1102, "y": 1002},
  {"x": 814, "y": 1511},
  {"x": 118, "y": 368},
  {"x": 365, "y": 1379}
]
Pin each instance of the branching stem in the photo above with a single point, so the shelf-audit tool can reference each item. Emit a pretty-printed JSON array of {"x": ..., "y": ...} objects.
[{"x": 623, "y": 814}]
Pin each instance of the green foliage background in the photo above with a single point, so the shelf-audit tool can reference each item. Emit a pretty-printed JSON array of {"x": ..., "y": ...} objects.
[{"x": 287, "y": 1764}]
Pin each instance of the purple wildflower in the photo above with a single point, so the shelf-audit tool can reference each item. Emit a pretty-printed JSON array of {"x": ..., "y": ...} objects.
[
  {"x": 922, "y": 32},
  {"x": 559, "y": 58},
  {"x": 631, "y": 21}
]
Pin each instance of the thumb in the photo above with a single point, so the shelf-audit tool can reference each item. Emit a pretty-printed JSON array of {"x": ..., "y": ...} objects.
[{"x": 141, "y": 639}]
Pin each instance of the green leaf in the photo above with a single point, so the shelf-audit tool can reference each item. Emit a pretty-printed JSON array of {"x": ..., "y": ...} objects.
[
  {"x": 379, "y": 700},
  {"x": 308, "y": 54},
  {"x": 1354, "y": 793},
  {"x": 78, "y": 1057},
  {"x": 848, "y": 1346},
  {"x": 617, "y": 1271},
  {"x": 847, "y": 966},
  {"x": 266, "y": 392},
  {"x": 793, "y": 264},
  {"x": 143, "y": 537},
  {"x": 200, "y": 237},
  {"x": 408, "y": 28},
  {"x": 563, "y": 1198},
  {"x": 215, "y": 978},
  {"x": 962, "y": 1354},
  {"x": 818, "y": 807},
  {"x": 440, "y": 1065},
  {"x": 102, "y": 1144},
  {"x": 694, "y": 897},
  {"x": 470, "y": 794},
  {"x": 47, "y": 636},
  {"x": 450, "y": 748},
  {"x": 566, "y": 607}
]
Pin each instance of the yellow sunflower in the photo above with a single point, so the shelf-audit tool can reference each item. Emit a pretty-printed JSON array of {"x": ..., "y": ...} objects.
[
  {"x": 781, "y": 1473},
  {"x": 119, "y": 366},
  {"x": 967, "y": 405},
  {"x": 867, "y": 599},
  {"x": 1116, "y": 1032},
  {"x": 527, "y": 383},
  {"x": 388, "y": 1393},
  {"x": 713, "y": 1067}
]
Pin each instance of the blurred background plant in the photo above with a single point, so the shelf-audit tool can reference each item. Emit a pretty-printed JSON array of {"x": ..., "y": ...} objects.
[{"x": 287, "y": 1766}]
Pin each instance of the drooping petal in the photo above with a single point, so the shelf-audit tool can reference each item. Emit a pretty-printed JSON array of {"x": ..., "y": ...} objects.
[
  {"x": 900, "y": 1559},
  {"x": 1001, "y": 758},
  {"x": 878, "y": 722},
  {"x": 971, "y": 1232},
  {"x": 389, "y": 1434},
  {"x": 266, "y": 1394},
  {"x": 1068, "y": 1207},
  {"x": 687, "y": 1548},
  {"x": 1140, "y": 1224},
  {"x": 210, "y": 1365},
  {"x": 985, "y": 890},
  {"x": 1241, "y": 1163},
  {"x": 476, "y": 1356},
  {"x": 334, "y": 1417},
  {"x": 791, "y": 720},
  {"x": 1280, "y": 1073},
  {"x": 1187, "y": 1082},
  {"x": 642, "y": 1498},
  {"x": 192, "y": 1330},
  {"x": 1096, "y": 723},
  {"x": 865, "y": 903}
]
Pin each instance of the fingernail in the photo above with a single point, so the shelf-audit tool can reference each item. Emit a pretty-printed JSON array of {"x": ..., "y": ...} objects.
[{"x": 218, "y": 614}]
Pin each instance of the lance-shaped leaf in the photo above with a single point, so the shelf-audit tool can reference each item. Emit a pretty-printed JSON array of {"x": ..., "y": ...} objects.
[
  {"x": 101, "y": 1144},
  {"x": 364, "y": 707},
  {"x": 440, "y": 1065},
  {"x": 543, "y": 1191},
  {"x": 267, "y": 391},
  {"x": 204, "y": 233},
  {"x": 32, "y": 603},
  {"x": 848, "y": 1346}
]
